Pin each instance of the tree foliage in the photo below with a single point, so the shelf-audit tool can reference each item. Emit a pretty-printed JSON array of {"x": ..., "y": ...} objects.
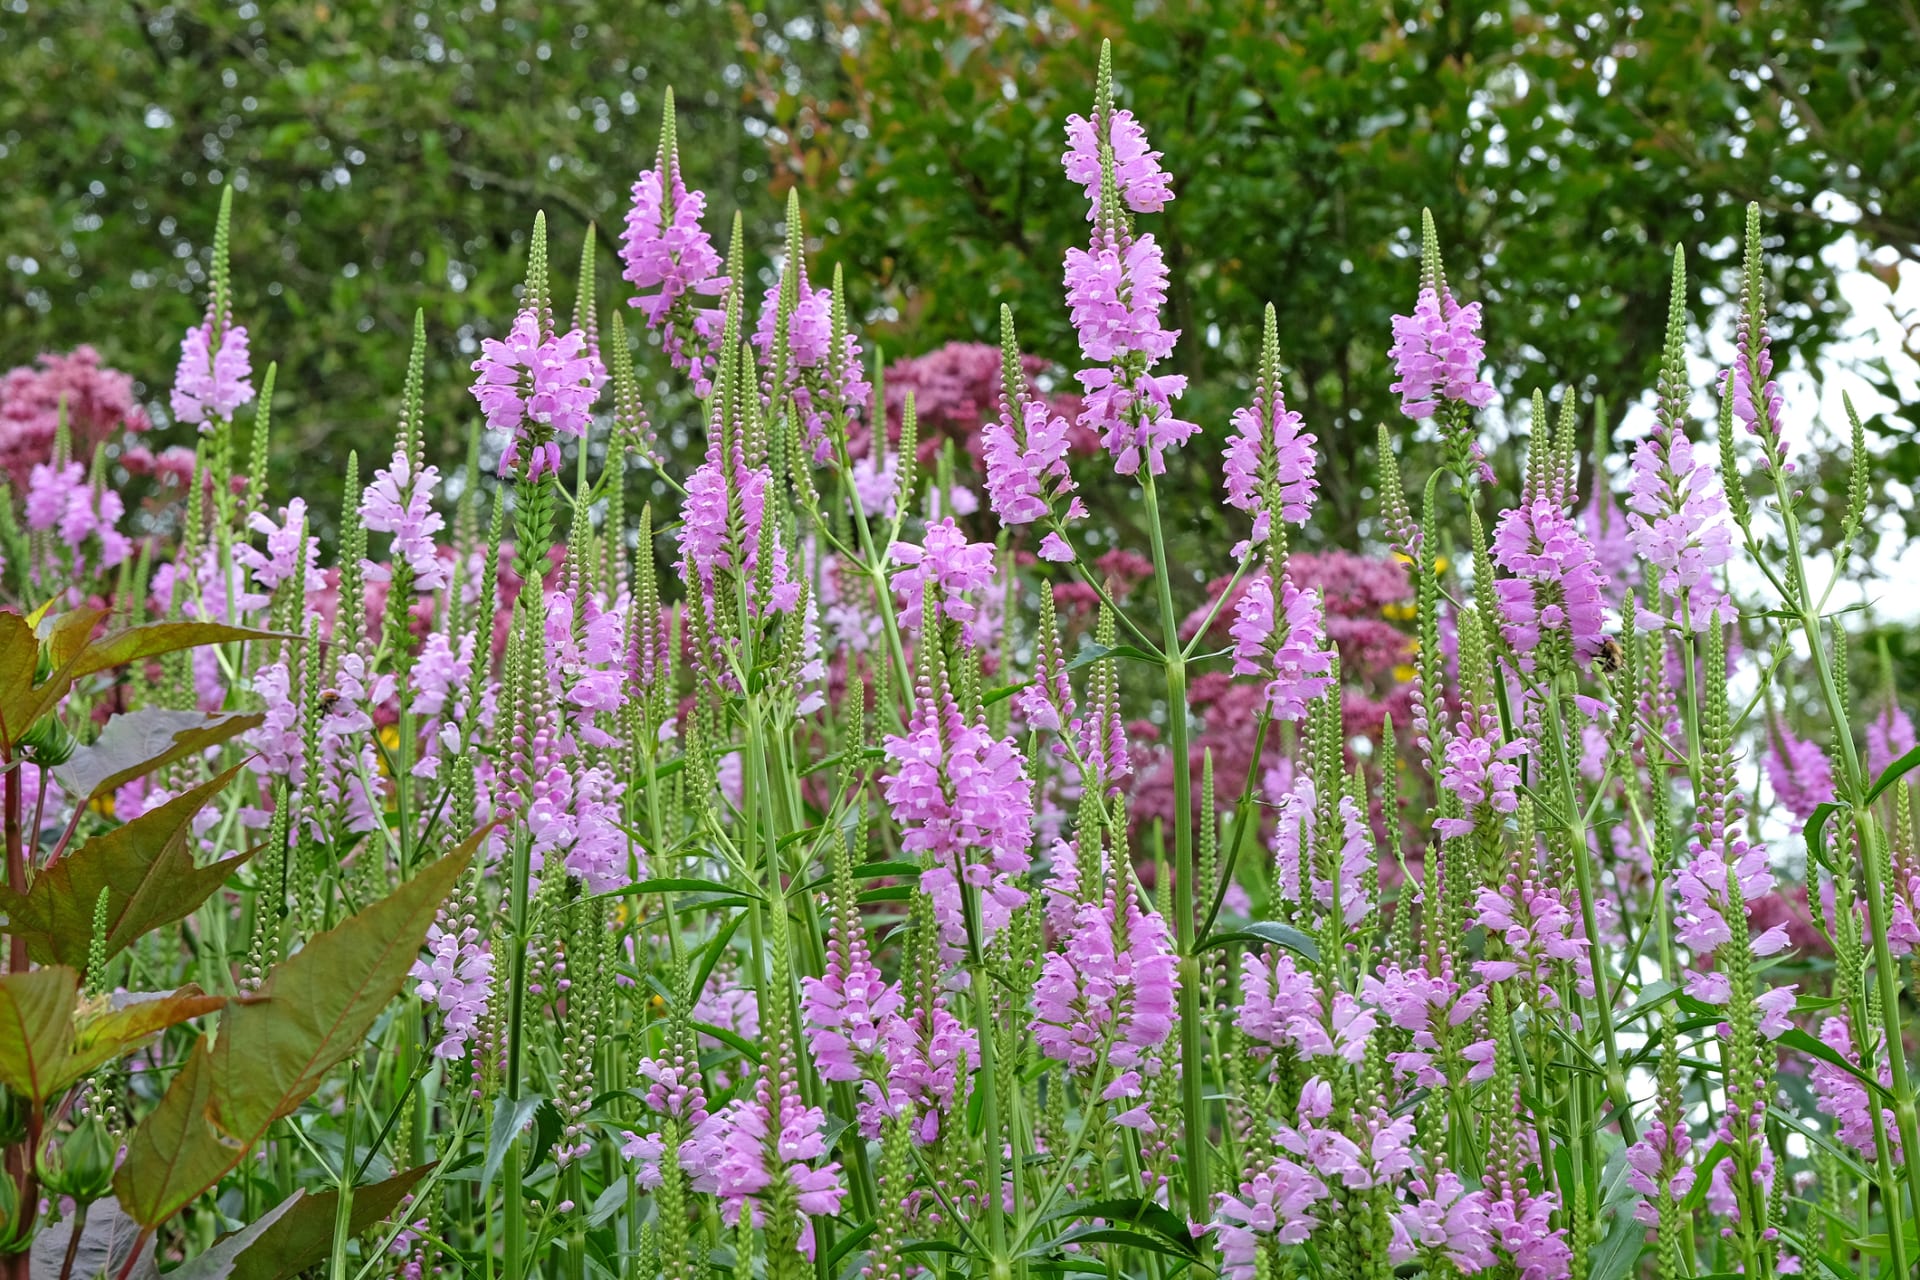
[{"x": 1573, "y": 145}]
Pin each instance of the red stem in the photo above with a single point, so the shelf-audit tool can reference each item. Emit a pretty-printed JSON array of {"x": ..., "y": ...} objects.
[{"x": 16, "y": 866}]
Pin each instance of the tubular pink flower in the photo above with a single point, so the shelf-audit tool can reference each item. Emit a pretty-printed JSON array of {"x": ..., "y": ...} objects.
[
  {"x": 282, "y": 558},
  {"x": 401, "y": 503},
  {"x": 1556, "y": 588},
  {"x": 1676, "y": 511},
  {"x": 1799, "y": 772},
  {"x": 1290, "y": 651},
  {"x": 1142, "y": 184},
  {"x": 210, "y": 384},
  {"x": 774, "y": 1133},
  {"x": 1268, "y": 451},
  {"x": 536, "y": 389},
  {"x": 1437, "y": 352},
  {"x": 954, "y": 566},
  {"x": 847, "y": 1010},
  {"x": 1482, "y": 772},
  {"x": 966, "y": 806},
  {"x": 1446, "y": 1221},
  {"x": 455, "y": 980},
  {"x": 1113, "y": 986},
  {"x": 1840, "y": 1095},
  {"x": 665, "y": 249},
  {"x": 1539, "y": 933},
  {"x": 1274, "y": 1204},
  {"x": 930, "y": 1056},
  {"x": 1889, "y": 736},
  {"x": 60, "y": 499},
  {"x": 1026, "y": 461}
]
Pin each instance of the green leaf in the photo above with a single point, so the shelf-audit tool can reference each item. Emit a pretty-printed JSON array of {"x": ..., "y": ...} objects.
[
  {"x": 296, "y": 1233},
  {"x": 1816, "y": 822},
  {"x": 1795, "y": 1038},
  {"x": 1091, "y": 653},
  {"x": 1615, "y": 1256},
  {"x": 510, "y": 1116},
  {"x": 276, "y": 1046},
  {"x": 714, "y": 950},
  {"x": 146, "y": 868},
  {"x": 732, "y": 1039},
  {"x": 1133, "y": 1213},
  {"x": 672, "y": 884},
  {"x": 1090, "y": 1234},
  {"x": 1271, "y": 932},
  {"x": 1895, "y": 770},
  {"x": 36, "y": 1025},
  {"x": 140, "y": 742},
  {"x": 106, "y": 1242}
]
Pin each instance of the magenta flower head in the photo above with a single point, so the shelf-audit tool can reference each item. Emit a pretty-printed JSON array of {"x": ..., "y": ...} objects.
[
  {"x": 1116, "y": 287},
  {"x": 1288, "y": 648},
  {"x": 1557, "y": 591},
  {"x": 1024, "y": 447},
  {"x": 1676, "y": 511},
  {"x": 1437, "y": 352},
  {"x": 966, "y": 806},
  {"x": 537, "y": 388},
  {"x": 1274, "y": 1205},
  {"x": 1114, "y": 984},
  {"x": 1269, "y": 460},
  {"x": 955, "y": 568},
  {"x": 400, "y": 502},
  {"x": 665, "y": 249},
  {"x": 215, "y": 376}
]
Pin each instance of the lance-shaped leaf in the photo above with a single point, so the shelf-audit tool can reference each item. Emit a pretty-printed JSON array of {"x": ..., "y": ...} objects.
[
  {"x": 296, "y": 1233},
  {"x": 140, "y": 742},
  {"x": 146, "y": 868},
  {"x": 175, "y": 1153},
  {"x": 50, "y": 1037},
  {"x": 36, "y": 1025},
  {"x": 75, "y": 655},
  {"x": 312, "y": 1011},
  {"x": 275, "y": 1047}
]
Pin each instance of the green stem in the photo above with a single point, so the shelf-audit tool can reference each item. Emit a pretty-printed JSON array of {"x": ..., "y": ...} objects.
[
  {"x": 1584, "y": 878},
  {"x": 1192, "y": 1055},
  {"x": 343, "y": 1205},
  {"x": 1867, "y": 829}
]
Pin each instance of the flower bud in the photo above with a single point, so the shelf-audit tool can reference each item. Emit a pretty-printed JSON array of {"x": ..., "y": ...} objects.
[
  {"x": 81, "y": 1164},
  {"x": 48, "y": 742}
]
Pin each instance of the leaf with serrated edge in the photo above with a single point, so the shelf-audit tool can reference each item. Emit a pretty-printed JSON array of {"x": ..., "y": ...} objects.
[
  {"x": 139, "y": 742},
  {"x": 276, "y": 1046},
  {"x": 296, "y": 1233},
  {"x": 36, "y": 1026},
  {"x": 145, "y": 866}
]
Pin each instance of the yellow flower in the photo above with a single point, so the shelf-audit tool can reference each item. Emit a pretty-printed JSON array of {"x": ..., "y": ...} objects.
[
  {"x": 1404, "y": 673},
  {"x": 1399, "y": 612}
]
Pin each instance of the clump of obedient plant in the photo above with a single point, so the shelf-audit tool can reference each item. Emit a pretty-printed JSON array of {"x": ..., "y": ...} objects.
[{"x": 854, "y": 866}]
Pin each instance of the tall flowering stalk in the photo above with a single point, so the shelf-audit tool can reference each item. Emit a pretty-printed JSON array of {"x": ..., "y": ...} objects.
[{"x": 824, "y": 913}]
